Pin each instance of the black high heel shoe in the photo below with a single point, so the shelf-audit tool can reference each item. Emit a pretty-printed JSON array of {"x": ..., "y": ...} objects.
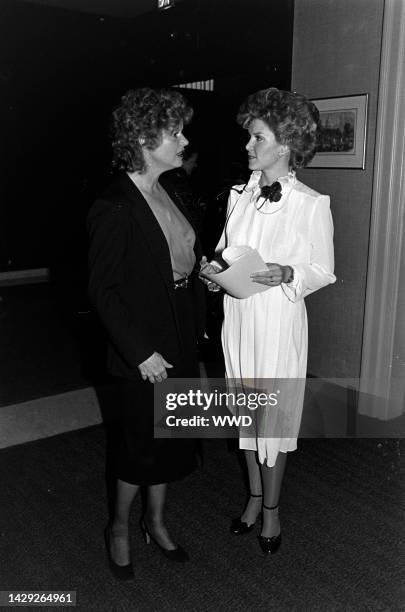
[
  {"x": 177, "y": 554},
  {"x": 121, "y": 572},
  {"x": 270, "y": 545},
  {"x": 239, "y": 527}
]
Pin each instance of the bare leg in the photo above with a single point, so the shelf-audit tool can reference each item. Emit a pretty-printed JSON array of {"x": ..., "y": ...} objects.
[
  {"x": 156, "y": 496},
  {"x": 272, "y": 478},
  {"x": 119, "y": 537},
  {"x": 255, "y": 484}
]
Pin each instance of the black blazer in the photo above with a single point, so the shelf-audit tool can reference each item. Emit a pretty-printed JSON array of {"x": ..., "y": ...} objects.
[{"x": 131, "y": 279}]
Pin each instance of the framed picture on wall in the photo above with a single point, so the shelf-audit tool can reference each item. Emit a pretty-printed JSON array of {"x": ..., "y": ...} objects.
[{"x": 343, "y": 131}]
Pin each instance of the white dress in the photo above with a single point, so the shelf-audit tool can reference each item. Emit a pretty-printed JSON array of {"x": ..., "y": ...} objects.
[{"x": 265, "y": 336}]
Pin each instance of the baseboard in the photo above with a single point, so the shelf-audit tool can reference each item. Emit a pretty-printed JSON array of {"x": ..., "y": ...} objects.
[
  {"x": 48, "y": 416},
  {"x": 24, "y": 277},
  {"x": 57, "y": 414}
]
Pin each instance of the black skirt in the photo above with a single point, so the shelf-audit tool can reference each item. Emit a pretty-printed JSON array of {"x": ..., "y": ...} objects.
[{"x": 140, "y": 458}]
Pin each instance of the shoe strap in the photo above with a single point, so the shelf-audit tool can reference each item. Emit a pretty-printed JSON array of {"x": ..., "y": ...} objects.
[
  {"x": 270, "y": 507},
  {"x": 252, "y": 495}
]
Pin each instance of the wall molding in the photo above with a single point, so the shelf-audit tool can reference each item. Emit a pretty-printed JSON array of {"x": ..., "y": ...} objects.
[{"x": 387, "y": 227}]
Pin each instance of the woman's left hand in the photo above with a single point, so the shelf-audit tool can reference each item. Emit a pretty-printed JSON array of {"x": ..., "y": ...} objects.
[
  {"x": 274, "y": 276},
  {"x": 210, "y": 269}
]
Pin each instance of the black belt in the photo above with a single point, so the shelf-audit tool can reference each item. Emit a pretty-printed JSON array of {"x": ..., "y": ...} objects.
[{"x": 182, "y": 283}]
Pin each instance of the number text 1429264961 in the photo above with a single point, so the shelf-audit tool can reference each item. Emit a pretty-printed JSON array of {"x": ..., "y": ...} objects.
[{"x": 37, "y": 598}]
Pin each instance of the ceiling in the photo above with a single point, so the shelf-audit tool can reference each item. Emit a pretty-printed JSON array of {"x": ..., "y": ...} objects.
[{"x": 112, "y": 8}]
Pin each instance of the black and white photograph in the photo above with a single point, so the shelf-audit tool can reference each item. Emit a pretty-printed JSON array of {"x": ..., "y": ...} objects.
[{"x": 202, "y": 340}]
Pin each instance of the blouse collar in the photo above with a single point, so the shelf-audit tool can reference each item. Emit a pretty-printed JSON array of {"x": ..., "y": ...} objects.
[{"x": 253, "y": 185}]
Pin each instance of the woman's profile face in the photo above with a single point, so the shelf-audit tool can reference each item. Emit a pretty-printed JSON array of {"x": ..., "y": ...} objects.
[
  {"x": 264, "y": 151},
  {"x": 169, "y": 153}
]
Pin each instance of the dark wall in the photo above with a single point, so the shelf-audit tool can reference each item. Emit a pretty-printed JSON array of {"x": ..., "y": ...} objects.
[
  {"x": 345, "y": 39},
  {"x": 62, "y": 72}
]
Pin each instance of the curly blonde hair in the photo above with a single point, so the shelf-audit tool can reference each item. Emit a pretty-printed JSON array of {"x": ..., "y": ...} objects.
[
  {"x": 292, "y": 118},
  {"x": 141, "y": 117}
]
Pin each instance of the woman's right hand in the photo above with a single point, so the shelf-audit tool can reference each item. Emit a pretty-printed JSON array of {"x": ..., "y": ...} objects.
[
  {"x": 154, "y": 368},
  {"x": 210, "y": 269}
]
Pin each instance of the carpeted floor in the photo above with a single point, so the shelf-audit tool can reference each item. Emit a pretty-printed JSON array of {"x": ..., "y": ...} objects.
[{"x": 342, "y": 519}]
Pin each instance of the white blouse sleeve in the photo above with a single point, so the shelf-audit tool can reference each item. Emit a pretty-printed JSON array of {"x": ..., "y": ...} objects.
[{"x": 308, "y": 277}]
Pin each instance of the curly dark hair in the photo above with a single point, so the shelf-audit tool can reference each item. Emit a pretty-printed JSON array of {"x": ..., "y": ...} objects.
[
  {"x": 292, "y": 118},
  {"x": 142, "y": 116}
]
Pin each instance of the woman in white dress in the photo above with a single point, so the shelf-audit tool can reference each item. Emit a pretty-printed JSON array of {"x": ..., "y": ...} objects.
[{"x": 264, "y": 336}]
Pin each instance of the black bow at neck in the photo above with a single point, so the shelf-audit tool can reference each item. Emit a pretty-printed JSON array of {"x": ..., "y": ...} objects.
[{"x": 271, "y": 192}]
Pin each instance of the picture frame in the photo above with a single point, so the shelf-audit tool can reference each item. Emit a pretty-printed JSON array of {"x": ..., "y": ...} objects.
[{"x": 343, "y": 132}]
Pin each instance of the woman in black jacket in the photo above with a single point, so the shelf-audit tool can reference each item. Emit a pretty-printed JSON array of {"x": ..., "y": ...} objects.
[{"x": 143, "y": 257}]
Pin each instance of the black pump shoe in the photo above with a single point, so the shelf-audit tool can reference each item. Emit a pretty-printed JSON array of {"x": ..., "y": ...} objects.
[
  {"x": 120, "y": 572},
  {"x": 239, "y": 527},
  {"x": 270, "y": 545},
  {"x": 177, "y": 554}
]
